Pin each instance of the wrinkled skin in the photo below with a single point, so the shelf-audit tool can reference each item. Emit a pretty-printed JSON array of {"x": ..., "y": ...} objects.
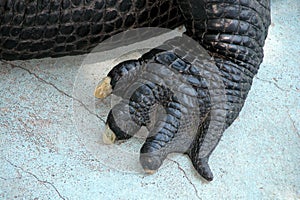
[{"x": 185, "y": 98}]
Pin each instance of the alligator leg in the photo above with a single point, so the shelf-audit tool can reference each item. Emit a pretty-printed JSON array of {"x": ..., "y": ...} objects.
[{"x": 233, "y": 32}]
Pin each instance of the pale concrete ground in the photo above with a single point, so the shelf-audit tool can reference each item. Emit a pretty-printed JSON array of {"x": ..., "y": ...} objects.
[{"x": 50, "y": 142}]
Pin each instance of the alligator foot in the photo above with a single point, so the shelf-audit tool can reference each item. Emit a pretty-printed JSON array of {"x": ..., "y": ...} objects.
[{"x": 169, "y": 96}]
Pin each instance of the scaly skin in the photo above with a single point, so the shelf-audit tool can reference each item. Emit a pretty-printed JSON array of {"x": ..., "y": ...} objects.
[
  {"x": 184, "y": 97},
  {"x": 35, "y": 29},
  {"x": 233, "y": 33}
]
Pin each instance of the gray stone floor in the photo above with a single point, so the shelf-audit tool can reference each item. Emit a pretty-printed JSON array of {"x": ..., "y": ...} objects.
[{"x": 50, "y": 144}]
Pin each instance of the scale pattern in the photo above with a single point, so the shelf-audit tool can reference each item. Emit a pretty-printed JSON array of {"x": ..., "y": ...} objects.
[
  {"x": 43, "y": 28},
  {"x": 185, "y": 95}
]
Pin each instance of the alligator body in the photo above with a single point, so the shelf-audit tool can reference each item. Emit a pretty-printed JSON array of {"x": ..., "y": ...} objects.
[{"x": 209, "y": 93}]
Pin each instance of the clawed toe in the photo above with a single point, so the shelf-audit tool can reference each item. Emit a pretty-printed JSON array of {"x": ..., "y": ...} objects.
[
  {"x": 202, "y": 167},
  {"x": 119, "y": 124},
  {"x": 206, "y": 173},
  {"x": 150, "y": 163}
]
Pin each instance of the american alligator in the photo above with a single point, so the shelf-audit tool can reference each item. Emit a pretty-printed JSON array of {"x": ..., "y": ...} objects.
[{"x": 208, "y": 93}]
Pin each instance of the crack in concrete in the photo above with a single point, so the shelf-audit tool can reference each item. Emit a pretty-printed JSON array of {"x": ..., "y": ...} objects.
[
  {"x": 276, "y": 85},
  {"x": 44, "y": 182},
  {"x": 293, "y": 122},
  {"x": 185, "y": 175},
  {"x": 56, "y": 88},
  {"x": 12, "y": 178}
]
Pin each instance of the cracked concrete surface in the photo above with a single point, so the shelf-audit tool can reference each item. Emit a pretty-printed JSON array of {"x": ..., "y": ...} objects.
[
  {"x": 185, "y": 175},
  {"x": 44, "y": 155},
  {"x": 41, "y": 181}
]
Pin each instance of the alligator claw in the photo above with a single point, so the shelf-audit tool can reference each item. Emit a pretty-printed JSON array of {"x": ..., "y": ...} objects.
[
  {"x": 109, "y": 136},
  {"x": 104, "y": 88}
]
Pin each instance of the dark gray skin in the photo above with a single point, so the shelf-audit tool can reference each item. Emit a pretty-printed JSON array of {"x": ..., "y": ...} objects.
[
  {"x": 210, "y": 90},
  {"x": 44, "y": 28}
]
